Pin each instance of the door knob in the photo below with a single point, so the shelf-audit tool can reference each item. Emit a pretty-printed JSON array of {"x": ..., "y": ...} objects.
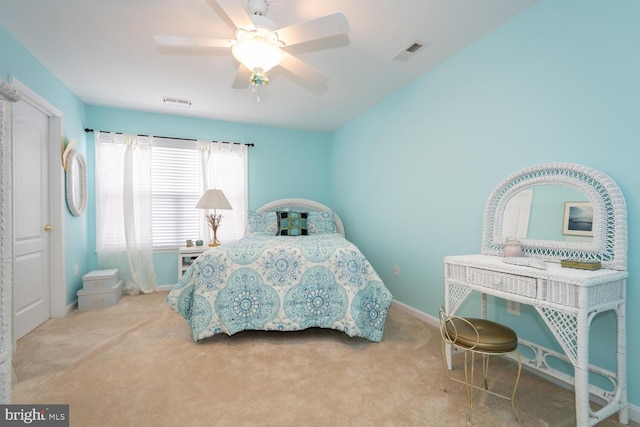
[{"x": 48, "y": 227}]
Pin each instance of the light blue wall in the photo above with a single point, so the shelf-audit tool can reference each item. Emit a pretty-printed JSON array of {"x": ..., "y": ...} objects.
[
  {"x": 412, "y": 174},
  {"x": 15, "y": 61},
  {"x": 283, "y": 163}
]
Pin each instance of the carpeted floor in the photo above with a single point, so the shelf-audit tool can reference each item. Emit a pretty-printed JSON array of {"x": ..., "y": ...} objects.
[{"x": 135, "y": 364}]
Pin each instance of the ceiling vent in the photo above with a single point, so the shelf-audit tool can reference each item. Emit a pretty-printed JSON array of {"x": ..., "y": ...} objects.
[
  {"x": 176, "y": 102},
  {"x": 409, "y": 51}
]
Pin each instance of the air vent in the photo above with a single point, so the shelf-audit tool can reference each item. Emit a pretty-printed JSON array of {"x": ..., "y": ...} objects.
[
  {"x": 176, "y": 102},
  {"x": 409, "y": 51},
  {"x": 414, "y": 47}
]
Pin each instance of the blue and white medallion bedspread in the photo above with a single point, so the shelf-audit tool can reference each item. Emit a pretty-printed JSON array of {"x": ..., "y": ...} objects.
[{"x": 282, "y": 283}]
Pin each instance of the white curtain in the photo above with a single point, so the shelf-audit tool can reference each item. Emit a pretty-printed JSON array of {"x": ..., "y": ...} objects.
[
  {"x": 224, "y": 166},
  {"x": 123, "y": 209}
]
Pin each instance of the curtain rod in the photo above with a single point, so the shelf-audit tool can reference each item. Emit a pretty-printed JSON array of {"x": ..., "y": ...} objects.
[{"x": 170, "y": 137}]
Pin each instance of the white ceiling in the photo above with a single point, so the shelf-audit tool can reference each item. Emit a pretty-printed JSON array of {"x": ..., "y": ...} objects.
[{"x": 104, "y": 51}]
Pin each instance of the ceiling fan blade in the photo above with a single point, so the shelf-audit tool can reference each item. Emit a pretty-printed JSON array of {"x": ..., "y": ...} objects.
[
  {"x": 325, "y": 26},
  {"x": 237, "y": 14},
  {"x": 180, "y": 41},
  {"x": 242, "y": 78},
  {"x": 303, "y": 70}
]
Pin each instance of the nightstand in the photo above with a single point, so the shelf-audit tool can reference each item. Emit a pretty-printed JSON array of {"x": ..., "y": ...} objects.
[{"x": 186, "y": 256}]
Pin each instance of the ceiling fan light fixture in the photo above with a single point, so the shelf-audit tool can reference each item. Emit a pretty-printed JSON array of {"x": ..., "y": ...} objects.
[
  {"x": 257, "y": 53},
  {"x": 258, "y": 78}
]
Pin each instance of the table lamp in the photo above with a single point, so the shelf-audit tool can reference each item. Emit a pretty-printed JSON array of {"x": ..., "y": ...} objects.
[{"x": 213, "y": 199}]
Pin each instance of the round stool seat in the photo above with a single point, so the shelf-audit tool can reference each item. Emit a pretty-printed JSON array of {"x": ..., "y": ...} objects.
[{"x": 490, "y": 337}]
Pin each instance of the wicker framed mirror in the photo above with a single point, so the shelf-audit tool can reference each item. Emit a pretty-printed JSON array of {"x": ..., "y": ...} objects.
[{"x": 609, "y": 222}]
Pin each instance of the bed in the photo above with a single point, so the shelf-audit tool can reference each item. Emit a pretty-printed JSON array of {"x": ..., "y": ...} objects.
[{"x": 293, "y": 270}]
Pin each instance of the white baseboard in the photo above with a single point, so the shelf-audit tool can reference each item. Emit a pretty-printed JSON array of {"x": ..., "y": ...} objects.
[
  {"x": 159, "y": 288},
  {"x": 634, "y": 410},
  {"x": 433, "y": 321},
  {"x": 71, "y": 307}
]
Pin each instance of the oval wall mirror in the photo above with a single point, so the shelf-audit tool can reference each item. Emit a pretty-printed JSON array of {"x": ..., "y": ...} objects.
[{"x": 76, "y": 176}]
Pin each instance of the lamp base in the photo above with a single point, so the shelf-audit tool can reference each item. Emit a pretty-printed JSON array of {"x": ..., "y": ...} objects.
[{"x": 214, "y": 242}]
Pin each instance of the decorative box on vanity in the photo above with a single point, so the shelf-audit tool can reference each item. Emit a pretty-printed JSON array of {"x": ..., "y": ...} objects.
[{"x": 100, "y": 289}]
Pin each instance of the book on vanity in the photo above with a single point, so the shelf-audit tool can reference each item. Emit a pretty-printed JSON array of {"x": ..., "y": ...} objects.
[{"x": 582, "y": 265}]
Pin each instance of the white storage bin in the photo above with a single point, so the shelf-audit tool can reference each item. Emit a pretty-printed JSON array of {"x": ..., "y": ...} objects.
[
  {"x": 100, "y": 280},
  {"x": 90, "y": 300}
]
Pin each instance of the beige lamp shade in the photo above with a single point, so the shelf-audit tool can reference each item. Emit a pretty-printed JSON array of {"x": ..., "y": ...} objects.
[{"x": 213, "y": 199}]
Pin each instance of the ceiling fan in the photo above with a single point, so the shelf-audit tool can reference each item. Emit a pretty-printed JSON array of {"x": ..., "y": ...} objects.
[{"x": 259, "y": 45}]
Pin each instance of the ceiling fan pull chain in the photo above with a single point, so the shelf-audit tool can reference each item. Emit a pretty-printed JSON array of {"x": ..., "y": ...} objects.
[
  {"x": 258, "y": 79},
  {"x": 256, "y": 90}
]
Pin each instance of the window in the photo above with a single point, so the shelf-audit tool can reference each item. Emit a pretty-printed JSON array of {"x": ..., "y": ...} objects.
[
  {"x": 176, "y": 187},
  {"x": 179, "y": 171}
]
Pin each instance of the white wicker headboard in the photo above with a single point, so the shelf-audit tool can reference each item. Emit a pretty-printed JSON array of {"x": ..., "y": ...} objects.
[{"x": 301, "y": 204}]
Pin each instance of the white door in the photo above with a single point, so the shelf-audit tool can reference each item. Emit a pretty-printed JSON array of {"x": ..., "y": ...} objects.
[
  {"x": 31, "y": 289},
  {"x": 515, "y": 222}
]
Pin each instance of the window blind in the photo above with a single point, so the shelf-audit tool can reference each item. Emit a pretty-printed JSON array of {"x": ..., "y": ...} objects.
[
  {"x": 176, "y": 173},
  {"x": 175, "y": 190}
]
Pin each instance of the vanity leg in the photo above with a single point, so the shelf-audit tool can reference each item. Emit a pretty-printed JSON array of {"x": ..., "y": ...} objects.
[
  {"x": 447, "y": 352},
  {"x": 582, "y": 398},
  {"x": 581, "y": 376},
  {"x": 447, "y": 306},
  {"x": 623, "y": 415},
  {"x": 483, "y": 306}
]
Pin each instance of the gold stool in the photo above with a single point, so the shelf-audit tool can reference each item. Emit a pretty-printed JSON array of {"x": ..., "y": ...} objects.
[{"x": 478, "y": 336}]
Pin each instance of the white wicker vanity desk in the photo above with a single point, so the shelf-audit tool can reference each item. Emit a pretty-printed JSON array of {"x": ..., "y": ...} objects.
[{"x": 567, "y": 300}]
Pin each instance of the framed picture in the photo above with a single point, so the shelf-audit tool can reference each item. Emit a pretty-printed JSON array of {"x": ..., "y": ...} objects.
[{"x": 578, "y": 219}]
